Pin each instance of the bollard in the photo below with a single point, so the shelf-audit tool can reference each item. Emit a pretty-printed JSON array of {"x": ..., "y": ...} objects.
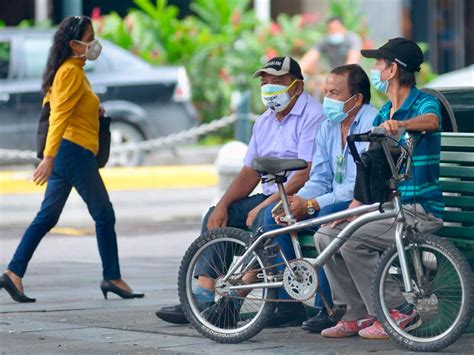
[{"x": 228, "y": 163}]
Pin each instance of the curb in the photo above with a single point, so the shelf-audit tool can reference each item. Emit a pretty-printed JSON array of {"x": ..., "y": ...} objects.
[{"x": 117, "y": 178}]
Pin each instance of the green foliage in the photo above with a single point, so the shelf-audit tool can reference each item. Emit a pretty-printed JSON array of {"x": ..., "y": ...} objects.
[
  {"x": 222, "y": 44},
  {"x": 25, "y": 24},
  {"x": 113, "y": 28},
  {"x": 4, "y": 54},
  {"x": 352, "y": 18},
  {"x": 2, "y": 24}
]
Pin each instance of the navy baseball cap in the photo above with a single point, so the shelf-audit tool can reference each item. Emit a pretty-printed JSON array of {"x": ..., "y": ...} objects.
[{"x": 405, "y": 52}]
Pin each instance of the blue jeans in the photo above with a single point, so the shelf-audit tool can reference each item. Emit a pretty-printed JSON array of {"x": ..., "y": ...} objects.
[
  {"x": 212, "y": 263},
  {"x": 286, "y": 246},
  {"x": 74, "y": 166}
]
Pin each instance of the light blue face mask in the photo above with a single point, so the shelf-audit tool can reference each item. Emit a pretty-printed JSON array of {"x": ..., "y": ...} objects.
[
  {"x": 336, "y": 38},
  {"x": 334, "y": 109},
  {"x": 377, "y": 82}
]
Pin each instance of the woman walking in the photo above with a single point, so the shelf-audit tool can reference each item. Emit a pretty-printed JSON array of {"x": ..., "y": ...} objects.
[{"x": 69, "y": 158}]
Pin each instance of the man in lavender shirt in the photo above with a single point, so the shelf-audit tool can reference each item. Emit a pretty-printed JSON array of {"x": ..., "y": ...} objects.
[{"x": 285, "y": 130}]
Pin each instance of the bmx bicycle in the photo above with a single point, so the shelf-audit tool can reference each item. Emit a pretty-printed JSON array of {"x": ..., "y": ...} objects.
[{"x": 432, "y": 275}]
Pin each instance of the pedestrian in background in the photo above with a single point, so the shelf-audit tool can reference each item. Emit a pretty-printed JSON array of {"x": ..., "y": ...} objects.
[
  {"x": 338, "y": 47},
  {"x": 69, "y": 158}
]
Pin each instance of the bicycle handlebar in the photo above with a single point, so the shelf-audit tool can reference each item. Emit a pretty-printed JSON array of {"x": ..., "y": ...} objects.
[{"x": 375, "y": 134}]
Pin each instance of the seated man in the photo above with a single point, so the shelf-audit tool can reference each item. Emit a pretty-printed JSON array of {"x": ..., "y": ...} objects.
[
  {"x": 419, "y": 113},
  {"x": 285, "y": 130},
  {"x": 331, "y": 183}
]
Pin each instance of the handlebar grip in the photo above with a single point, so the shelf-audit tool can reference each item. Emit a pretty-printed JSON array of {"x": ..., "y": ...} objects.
[{"x": 361, "y": 137}]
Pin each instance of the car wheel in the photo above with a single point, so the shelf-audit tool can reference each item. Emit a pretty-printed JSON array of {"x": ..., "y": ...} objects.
[{"x": 124, "y": 133}]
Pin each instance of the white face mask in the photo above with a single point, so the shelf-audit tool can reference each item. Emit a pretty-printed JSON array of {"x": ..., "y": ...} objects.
[
  {"x": 276, "y": 97},
  {"x": 93, "y": 49}
]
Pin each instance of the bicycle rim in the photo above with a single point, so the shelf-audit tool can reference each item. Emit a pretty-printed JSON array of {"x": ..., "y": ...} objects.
[
  {"x": 438, "y": 301},
  {"x": 244, "y": 310}
]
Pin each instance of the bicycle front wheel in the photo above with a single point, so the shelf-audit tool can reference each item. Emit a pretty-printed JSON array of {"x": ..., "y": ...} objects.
[
  {"x": 230, "y": 316},
  {"x": 439, "y": 307}
]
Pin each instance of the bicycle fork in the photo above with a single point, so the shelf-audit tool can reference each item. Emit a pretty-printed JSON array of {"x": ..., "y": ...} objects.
[
  {"x": 399, "y": 242},
  {"x": 402, "y": 257}
]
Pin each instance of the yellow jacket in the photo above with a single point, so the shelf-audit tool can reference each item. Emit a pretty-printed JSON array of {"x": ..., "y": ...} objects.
[{"x": 74, "y": 109}]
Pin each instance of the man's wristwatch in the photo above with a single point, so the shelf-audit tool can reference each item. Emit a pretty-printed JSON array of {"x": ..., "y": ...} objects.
[{"x": 310, "y": 207}]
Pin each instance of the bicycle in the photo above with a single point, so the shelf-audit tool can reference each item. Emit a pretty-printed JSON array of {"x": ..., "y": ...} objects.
[{"x": 433, "y": 276}]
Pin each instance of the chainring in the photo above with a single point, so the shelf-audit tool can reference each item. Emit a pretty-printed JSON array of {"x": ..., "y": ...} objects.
[{"x": 303, "y": 288}]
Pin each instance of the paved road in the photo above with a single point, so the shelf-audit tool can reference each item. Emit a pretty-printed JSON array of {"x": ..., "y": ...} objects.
[{"x": 71, "y": 316}]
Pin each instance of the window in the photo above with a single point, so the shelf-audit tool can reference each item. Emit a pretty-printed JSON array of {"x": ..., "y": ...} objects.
[
  {"x": 35, "y": 51},
  {"x": 4, "y": 59}
]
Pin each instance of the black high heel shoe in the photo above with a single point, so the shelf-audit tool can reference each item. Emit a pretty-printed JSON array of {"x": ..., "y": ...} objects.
[
  {"x": 14, "y": 292},
  {"x": 107, "y": 286}
]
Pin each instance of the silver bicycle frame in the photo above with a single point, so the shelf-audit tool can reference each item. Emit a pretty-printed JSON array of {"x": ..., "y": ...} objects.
[{"x": 369, "y": 213}]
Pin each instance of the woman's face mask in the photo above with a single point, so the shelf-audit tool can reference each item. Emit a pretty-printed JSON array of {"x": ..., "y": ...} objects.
[
  {"x": 93, "y": 49},
  {"x": 334, "y": 109},
  {"x": 276, "y": 97}
]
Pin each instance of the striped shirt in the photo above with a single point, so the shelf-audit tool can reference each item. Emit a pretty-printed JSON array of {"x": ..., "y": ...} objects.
[{"x": 423, "y": 186}]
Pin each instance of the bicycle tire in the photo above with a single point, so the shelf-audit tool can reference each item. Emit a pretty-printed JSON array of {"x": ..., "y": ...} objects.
[
  {"x": 186, "y": 274},
  {"x": 439, "y": 308}
]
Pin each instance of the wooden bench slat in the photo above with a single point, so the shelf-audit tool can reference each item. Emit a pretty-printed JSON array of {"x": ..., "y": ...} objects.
[
  {"x": 456, "y": 232},
  {"x": 459, "y": 201},
  {"x": 456, "y": 186},
  {"x": 457, "y": 157},
  {"x": 461, "y": 140},
  {"x": 459, "y": 216},
  {"x": 456, "y": 171},
  {"x": 306, "y": 240}
]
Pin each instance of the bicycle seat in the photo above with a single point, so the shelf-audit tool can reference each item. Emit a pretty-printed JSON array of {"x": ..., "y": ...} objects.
[{"x": 272, "y": 165}]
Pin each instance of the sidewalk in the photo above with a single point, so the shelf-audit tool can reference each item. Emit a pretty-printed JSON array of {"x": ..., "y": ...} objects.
[{"x": 71, "y": 316}]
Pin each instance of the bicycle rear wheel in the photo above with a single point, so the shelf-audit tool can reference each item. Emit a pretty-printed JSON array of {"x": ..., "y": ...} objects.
[
  {"x": 230, "y": 317},
  {"x": 440, "y": 306}
]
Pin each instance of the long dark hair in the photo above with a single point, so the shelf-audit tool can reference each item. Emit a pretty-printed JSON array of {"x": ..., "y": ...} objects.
[{"x": 70, "y": 28}]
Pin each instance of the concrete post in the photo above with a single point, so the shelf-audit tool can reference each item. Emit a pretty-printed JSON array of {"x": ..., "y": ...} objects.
[
  {"x": 228, "y": 164},
  {"x": 41, "y": 11},
  {"x": 263, "y": 10}
]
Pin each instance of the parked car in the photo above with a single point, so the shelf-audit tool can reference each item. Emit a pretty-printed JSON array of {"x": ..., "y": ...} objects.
[{"x": 144, "y": 101}]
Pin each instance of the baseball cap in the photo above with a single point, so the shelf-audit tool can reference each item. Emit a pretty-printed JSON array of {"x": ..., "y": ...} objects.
[
  {"x": 281, "y": 66},
  {"x": 404, "y": 52}
]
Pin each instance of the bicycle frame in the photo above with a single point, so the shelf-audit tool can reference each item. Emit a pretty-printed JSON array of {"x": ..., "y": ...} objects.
[{"x": 369, "y": 213}]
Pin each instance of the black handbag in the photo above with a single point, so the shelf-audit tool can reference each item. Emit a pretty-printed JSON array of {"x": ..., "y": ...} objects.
[
  {"x": 373, "y": 173},
  {"x": 373, "y": 176},
  {"x": 104, "y": 136}
]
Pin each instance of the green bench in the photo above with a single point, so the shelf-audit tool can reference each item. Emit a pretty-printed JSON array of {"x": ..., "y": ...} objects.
[{"x": 457, "y": 183}]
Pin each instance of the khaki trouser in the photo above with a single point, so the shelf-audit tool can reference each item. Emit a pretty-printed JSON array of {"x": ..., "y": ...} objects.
[{"x": 350, "y": 271}]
